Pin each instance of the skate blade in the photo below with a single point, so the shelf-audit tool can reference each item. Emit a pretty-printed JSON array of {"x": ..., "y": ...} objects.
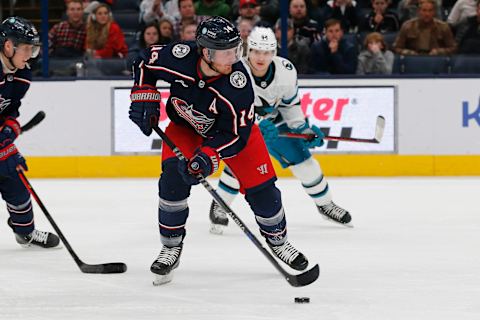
[
  {"x": 162, "y": 279},
  {"x": 346, "y": 225},
  {"x": 216, "y": 229}
]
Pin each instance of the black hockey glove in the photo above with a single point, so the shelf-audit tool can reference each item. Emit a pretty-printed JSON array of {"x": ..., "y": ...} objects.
[
  {"x": 145, "y": 107},
  {"x": 205, "y": 162}
]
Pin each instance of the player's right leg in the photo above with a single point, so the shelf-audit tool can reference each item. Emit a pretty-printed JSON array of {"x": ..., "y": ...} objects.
[
  {"x": 173, "y": 208},
  {"x": 21, "y": 220},
  {"x": 256, "y": 175},
  {"x": 228, "y": 188}
]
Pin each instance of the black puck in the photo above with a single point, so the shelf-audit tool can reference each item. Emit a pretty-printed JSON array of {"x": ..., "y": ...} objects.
[{"x": 302, "y": 300}]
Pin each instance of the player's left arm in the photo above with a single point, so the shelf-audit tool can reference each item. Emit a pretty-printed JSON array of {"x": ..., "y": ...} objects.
[
  {"x": 236, "y": 117},
  {"x": 292, "y": 113},
  {"x": 289, "y": 106}
]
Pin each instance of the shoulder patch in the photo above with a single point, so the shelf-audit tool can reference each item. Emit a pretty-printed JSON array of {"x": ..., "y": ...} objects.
[
  {"x": 238, "y": 79},
  {"x": 288, "y": 65},
  {"x": 180, "y": 50}
]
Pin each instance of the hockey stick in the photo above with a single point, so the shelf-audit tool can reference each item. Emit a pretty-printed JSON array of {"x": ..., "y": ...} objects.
[
  {"x": 379, "y": 128},
  {"x": 299, "y": 280},
  {"x": 115, "y": 267},
  {"x": 34, "y": 121}
]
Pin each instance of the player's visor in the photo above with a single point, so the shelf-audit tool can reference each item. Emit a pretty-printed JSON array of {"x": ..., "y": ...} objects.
[
  {"x": 29, "y": 50},
  {"x": 227, "y": 56}
]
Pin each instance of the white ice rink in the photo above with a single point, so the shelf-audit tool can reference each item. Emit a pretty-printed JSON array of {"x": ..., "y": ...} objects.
[{"x": 413, "y": 254}]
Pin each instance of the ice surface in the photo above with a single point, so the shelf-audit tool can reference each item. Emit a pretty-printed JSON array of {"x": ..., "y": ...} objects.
[{"x": 413, "y": 254}]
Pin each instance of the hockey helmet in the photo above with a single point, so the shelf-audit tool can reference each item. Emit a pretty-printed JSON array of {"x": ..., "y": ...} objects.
[
  {"x": 20, "y": 30},
  {"x": 262, "y": 39},
  {"x": 219, "y": 34}
]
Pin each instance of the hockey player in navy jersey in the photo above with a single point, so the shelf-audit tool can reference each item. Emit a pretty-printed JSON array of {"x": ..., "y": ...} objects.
[
  {"x": 19, "y": 42},
  {"x": 212, "y": 118},
  {"x": 277, "y": 105}
]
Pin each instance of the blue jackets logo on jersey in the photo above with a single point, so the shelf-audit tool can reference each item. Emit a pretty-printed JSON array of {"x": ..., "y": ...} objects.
[
  {"x": 198, "y": 120},
  {"x": 4, "y": 103},
  {"x": 238, "y": 79},
  {"x": 180, "y": 50}
]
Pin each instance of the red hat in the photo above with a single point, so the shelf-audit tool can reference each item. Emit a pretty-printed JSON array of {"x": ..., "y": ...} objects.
[{"x": 243, "y": 3}]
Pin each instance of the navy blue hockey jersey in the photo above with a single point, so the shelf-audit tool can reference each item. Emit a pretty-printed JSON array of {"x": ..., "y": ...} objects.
[
  {"x": 220, "y": 109},
  {"x": 13, "y": 87}
]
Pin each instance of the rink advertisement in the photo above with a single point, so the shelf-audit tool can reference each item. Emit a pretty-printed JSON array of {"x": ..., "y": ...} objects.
[{"x": 339, "y": 111}]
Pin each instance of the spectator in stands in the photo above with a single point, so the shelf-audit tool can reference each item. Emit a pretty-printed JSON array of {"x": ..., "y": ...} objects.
[
  {"x": 166, "y": 30},
  {"x": 408, "y": 9},
  {"x": 154, "y": 10},
  {"x": 469, "y": 34},
  {"x": 67, "y": 38},
  {"x": 248, "y": 9},
  {"x": 375, "y": 58},
  {"x": 105, "y": 39},
  {"x": 150, "y": 35},
  {"x": 245, "y": 26},
  {"x": 380, "y": 19},
  {"x": 425, "y": 35},
  {"x": 188, "y": 31},
  {"x": 268, "y": 10},
  {"x": 344, "y": 11},
  {"x": 304, "y": 26},
  {"x": 462, "y": 10},
  {"x": 213, "y": 8},
  {"x": 334, "y": 54},
  {"x": 298, "y": 47},
  {"x": 89, "y": 6},
  {"x": 187, "y": 16}
]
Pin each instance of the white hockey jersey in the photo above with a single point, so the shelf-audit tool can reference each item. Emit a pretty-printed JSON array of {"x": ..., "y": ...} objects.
[{"x": 276, "y": 94}]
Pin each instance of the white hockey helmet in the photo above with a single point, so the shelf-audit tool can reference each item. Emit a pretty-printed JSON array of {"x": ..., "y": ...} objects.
[{"x": 262, "y": 39}]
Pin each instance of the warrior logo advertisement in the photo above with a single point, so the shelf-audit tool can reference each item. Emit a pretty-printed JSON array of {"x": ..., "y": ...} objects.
[{"x": 338, "y": 111}]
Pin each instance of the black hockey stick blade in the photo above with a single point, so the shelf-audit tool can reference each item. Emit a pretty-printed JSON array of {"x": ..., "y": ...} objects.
[
  {"x": 34, "y": 121},
  {"x": 115, "y": 267},
  {"x": 305, "y": 278}
]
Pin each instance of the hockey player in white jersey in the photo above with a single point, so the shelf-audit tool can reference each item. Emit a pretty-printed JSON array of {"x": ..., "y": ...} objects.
[{"x": 278, "y": 110}]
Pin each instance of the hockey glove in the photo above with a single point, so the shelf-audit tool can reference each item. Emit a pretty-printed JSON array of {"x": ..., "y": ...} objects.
[
  {"x": 9, "y": 131},
  {"x": 307, "y": 129},
  {"x": 205, "y": 162},
  {"x": 145, "y": 107},
  {"x": 269, "y": 131},
  {"x": 10, "y": 158}
]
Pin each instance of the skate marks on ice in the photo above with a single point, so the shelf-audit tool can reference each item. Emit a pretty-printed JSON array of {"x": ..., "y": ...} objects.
[{"x": 407, "y": 249}]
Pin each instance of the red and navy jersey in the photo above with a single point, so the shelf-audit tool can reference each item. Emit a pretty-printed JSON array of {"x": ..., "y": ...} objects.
[
  {"x": 220, "y": 108},
  {"x": 13, "y": 87}
]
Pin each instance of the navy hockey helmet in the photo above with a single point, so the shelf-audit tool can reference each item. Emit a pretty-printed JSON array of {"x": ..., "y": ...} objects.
[
  {"x": 222, "y": 40},
  {"x": 20, "y": 30},
  {"x": 217, "y": 33}
]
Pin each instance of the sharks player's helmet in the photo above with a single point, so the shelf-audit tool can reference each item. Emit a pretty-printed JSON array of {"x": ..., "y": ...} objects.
[
  {"x": 221, "y": 38},
  {"x": 262, "y": 39},
  {"x": 20, "y": 30}
]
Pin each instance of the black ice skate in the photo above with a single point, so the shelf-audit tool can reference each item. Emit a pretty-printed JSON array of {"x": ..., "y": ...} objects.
[
  {"x": 218, "y": 218},
  {"x": 38, "y": 238},
  {"x": 335, "y": 213},
  {"x": 291, "y": 256},
  {"x": 166, "y": 262}
]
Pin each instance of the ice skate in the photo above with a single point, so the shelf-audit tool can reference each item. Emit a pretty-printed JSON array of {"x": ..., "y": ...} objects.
[
  {"x": 218, "y": 219},
  {"x": 166, "y": 262},
  {"x": 332, "y": 212},
  {"x": 291, "y": 256},
  {"x": 38, "y": 238}
]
